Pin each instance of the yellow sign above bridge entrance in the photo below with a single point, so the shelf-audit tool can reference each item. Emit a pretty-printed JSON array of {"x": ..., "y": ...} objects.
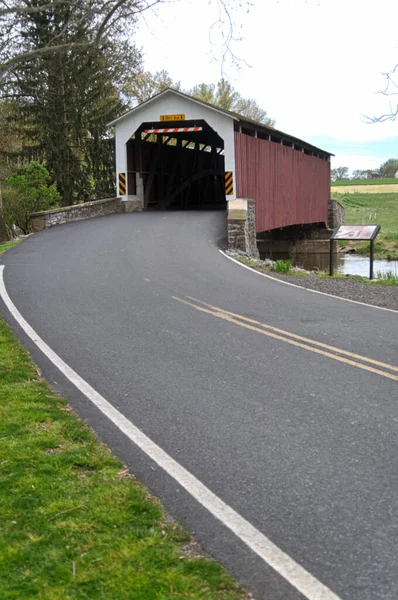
[{"x": 172, "y": 117}]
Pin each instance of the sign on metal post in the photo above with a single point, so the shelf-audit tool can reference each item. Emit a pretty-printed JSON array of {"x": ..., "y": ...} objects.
[{"x": 358, "y": 233}]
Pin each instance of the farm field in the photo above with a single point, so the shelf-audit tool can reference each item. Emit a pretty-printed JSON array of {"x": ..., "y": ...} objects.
[
  {"x": 373, "y": 208},
  {"x": 351, "y": 182},
  {"x": 380, "y": 188}
]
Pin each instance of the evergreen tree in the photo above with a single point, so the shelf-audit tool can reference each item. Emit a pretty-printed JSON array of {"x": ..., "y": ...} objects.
[
  {"x": 67, "y": 98},
  {"x": 9, "y": 144}
]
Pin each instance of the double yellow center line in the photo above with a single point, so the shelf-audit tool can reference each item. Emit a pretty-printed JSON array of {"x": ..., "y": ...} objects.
[{"x": 344, "y": 356}]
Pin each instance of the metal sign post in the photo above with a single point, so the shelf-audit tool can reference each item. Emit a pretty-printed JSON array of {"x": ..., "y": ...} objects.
[
  {"x": 357, "y": 233},
  {"x": 371, "y": 260},
  {"x": 331, "y": 258}
]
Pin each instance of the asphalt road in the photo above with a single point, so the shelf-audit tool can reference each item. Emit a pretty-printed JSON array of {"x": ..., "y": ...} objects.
[{"x": 301, "y": 444}]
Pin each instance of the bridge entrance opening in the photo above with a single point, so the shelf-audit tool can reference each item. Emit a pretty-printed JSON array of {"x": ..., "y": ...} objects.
[{"x": 176, "y": 165}]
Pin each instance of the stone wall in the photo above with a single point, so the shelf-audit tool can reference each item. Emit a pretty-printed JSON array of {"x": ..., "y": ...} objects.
[
  {"x": 79, "y": 212},
  {"x": 282, "y": 248},
  {"x": 336, "y": 214},
  {"x": 242, "y": 226}
]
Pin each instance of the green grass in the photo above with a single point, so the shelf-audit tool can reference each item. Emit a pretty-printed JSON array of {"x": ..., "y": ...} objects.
[
  {"x": 379, "y": 278},
  {"x": 282, "y": 266},
  {"x": 389, "y": 276},
  {"x": 380, "y": 209},
  {"x": 6, "y": 245},
  {"x": 344, "y": 182},
  {"x": 74, "y": 524}
]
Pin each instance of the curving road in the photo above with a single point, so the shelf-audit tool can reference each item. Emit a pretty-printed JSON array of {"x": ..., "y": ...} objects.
[{"x": 286, "y": 410}]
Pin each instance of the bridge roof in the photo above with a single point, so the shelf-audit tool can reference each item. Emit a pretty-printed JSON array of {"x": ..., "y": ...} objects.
[{"x": 235, "y": 117}]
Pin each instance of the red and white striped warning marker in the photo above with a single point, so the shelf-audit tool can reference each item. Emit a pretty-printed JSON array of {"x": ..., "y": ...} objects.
[{"x": 173, "y": 130}]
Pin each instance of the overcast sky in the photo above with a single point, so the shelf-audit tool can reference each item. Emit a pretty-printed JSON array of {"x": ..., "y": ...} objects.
[{"x": 314, "y": 65}]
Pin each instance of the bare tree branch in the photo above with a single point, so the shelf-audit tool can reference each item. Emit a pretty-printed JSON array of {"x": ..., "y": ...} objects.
[
  {"x": 391, "y": 85},
  {"x": 29, "y": 9},
  {"x": 103, "y": 17},
  {"x": 226, "y": 28}
]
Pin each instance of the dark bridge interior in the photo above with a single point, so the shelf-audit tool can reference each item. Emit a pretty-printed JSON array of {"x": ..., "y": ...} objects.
[{"x": 181, "y": 169}]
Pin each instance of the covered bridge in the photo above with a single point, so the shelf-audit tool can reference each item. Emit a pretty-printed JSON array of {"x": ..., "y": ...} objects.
[{"x": 174, "y": 151}]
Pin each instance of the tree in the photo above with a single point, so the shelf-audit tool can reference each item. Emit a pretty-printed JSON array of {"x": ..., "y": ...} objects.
[
  {"x": 9, "y": 143},
  {"x": 3, "y": 229},
  {"x": 225, "y": 96},
  {"x": 339, "y": 173},
  {"x": 143, "y": 85},
  {"x": 101, "y": 19},
  {"x": 66, "y": 99},
  {"x": 359, "y": 174},
  {"x": 204, "y": 92},
  {"x": 221, "y": 94},
  {"x": 389, "y": 168},
  {"x": 251, "y": 110},
  {"x": 27, "y": 192},
  {"x": 102, "y": 16}
]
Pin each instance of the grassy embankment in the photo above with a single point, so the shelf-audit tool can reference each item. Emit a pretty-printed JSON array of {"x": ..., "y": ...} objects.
[
  {"x": 74, "y": 523},
  {"x": 6, "y": 245},
  {"x": 379, "y": 208}
]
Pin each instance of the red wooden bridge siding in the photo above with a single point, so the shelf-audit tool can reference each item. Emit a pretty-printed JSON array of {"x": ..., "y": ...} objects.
[{"x": 289, "y": 187}]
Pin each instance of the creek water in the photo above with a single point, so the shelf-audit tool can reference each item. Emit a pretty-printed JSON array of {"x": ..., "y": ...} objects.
[
  {"x": 347, "y": 264},
  {"x": 359, "y": 265}
]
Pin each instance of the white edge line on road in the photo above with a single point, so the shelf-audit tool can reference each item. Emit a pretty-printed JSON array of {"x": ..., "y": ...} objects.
[
  {"x": 304, "y": 288},
  {"x": 283, "y": 564}
]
